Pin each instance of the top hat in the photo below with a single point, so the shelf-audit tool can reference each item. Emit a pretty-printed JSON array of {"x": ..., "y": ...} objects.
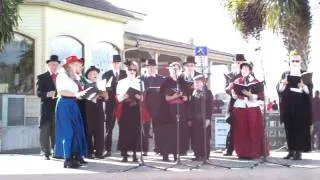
[
  {"x": 91, "y": 68},
  {"x": 53, "y": 58},
  {"x": 72, "y": 59},
  {"x": 116, "y": 58},
  {"x": 249, "y": 64},
  {"x": 240, "y": 57},
  {"x": 190, "y": 59},
  {"x": 150, "y": 62}
]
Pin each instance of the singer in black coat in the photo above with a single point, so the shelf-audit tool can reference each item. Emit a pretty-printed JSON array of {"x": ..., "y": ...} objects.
[
  {"x": 195, "y": 111},
  {"x": 110, "y": 105},
  {"x": 46, "y": 84}
]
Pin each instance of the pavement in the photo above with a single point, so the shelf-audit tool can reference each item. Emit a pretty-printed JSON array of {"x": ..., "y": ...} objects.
[{"x": 34, "y": 167}]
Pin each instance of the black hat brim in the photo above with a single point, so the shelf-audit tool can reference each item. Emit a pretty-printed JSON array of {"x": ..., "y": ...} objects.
[{"x": 53, "y": 60}]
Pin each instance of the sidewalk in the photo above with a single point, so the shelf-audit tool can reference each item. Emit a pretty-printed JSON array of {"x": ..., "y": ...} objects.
[{"x": 16, "y": 166}]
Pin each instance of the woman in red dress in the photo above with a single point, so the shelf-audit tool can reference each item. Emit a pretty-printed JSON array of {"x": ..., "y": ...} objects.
[{"x": 249, "y": 133}]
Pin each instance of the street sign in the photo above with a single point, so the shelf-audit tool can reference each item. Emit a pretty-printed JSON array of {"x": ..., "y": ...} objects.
[
  {"x": 201, "y": 58},
  {"x": 201, "y": 51}
]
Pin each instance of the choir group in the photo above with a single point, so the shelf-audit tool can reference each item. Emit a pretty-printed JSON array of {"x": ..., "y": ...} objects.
[{"x": 78, "y": 116}]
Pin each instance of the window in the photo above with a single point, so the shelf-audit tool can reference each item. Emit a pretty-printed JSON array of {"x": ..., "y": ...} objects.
[
  {"x": 102, "y": 54},
  {"x": 65, "y": 46},
  {"x": 17, "y": 66}
]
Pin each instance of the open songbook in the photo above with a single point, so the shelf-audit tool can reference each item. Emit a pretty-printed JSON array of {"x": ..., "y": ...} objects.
[
  {"x": 132, "y": 92},
  {"x": 96, "y": 87},
  {"x": 306, "y": 77},
  {"x": 255, "y": 88}
]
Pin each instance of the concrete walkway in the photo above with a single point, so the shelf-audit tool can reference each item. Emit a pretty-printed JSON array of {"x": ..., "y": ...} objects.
[{"x": 33, "y": 167}]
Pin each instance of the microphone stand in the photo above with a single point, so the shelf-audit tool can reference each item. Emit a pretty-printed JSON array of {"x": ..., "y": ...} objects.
[
  {"x": 142, "y": 163},
  {"x": 264, "y": 159},
  {"x": 178, "y": 161}
]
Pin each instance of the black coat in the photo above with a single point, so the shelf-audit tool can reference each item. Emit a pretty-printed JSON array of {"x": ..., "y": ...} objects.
[
  {"x": 296, "y": 114},
  {"x": 110, "y": 103},
  {"x": 44, "y": 85}
]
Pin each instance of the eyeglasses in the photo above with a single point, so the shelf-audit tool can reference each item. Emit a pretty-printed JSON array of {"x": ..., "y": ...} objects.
[
  {"x": 295, "y": 61},
  {"x": 135, "y": 70}
]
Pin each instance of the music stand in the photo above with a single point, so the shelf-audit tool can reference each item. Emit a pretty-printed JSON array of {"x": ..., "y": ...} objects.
[
  {"x": 178, "y": 161},
  {"x": 142, "y": 163}
]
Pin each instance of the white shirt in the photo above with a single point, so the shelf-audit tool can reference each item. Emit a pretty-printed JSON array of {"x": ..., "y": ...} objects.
[
  {"x": 124, "y": 84},
  {"x": 247, "y": 102},
  {"x": 64, "y": 82}
]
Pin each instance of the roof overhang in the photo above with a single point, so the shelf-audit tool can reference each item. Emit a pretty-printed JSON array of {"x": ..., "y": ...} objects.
[
  {"x": 170, "y": 48},
  {"x": 81, "y": 10}
]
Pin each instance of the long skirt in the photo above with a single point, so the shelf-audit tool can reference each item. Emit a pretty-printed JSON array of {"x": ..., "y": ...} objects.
[
  {"x": 70, "y": 134},
  {"x": 248, "y": 133},
  {"x": 129, "y": 128},
  {"x": 167, "y": 132}
]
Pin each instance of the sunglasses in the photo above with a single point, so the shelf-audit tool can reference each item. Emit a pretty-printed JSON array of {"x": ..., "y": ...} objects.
[
  {"x": 135, "y": 70},
  {"x": 295, "y": 61}
]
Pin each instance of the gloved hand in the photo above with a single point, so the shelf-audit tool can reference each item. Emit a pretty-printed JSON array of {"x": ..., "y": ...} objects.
[
  {"x": 207, "y": 123},
  {"x": 81, "y": 94}
]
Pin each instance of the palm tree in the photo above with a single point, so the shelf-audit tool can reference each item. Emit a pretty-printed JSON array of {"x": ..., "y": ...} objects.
[
  {"x": 290, "y": 18},
  {"x": 8, "y": 20}
]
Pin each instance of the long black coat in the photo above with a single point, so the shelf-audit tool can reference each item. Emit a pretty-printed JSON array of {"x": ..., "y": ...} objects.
[
  {"x": 296, "y": 114},
  {"x": 44, "y": 85}
]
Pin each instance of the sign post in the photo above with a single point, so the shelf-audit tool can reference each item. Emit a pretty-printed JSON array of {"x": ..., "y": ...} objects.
[{"x": 201, "y": 58}]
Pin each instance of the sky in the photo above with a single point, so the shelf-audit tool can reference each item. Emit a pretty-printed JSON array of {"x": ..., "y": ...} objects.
[{"x": 209, "y": 24}]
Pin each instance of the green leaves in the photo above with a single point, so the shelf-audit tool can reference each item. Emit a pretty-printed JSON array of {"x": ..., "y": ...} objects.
[
  {"x": 291, "y": 18},
  {"x": 8, "y": 21}
]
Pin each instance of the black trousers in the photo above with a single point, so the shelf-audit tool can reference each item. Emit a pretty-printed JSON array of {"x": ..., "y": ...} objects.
[
  {"x": 110, "y": 122},
  {"x": 47, "y": 137},
  {"x": 229, "y": 141}
]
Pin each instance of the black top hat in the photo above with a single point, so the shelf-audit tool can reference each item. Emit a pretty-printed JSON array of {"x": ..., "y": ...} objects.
[
  {"x": 240, "y": 57},
  {"x": 190, "y": 59},
  {"x": 116, "y": 58},
  {"x": 151, "y": 62},
  {"x": 249, "y": 64},
  {"x": 91, "y": 68},
  {"x": 53, "y": 58}
]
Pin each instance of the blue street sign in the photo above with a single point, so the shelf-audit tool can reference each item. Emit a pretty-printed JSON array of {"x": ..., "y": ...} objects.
[{"x": 201, "y": 51}]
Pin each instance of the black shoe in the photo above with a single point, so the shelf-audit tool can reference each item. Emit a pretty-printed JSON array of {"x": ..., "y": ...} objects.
[
  {"x": 145, "y": 154},
  {"x": 107, "y": 154},
  {"x": 70, "y": 164},
  {"x": 227, "y": 154},
  {"x": 175, "y": 157},
  {"x": 90, "y": 156},
  {"x": 46, "y": 157},
  {"x": 297, "y": 156},
  {"x": 290, "y": 155},
  {"x": 99, "y": 156},
  {"x": 124, "y": 159},
  {"x": 82, "y": 161},
  {"x": 134, "y": 158},
  {"x": 165, "y": 158}
]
